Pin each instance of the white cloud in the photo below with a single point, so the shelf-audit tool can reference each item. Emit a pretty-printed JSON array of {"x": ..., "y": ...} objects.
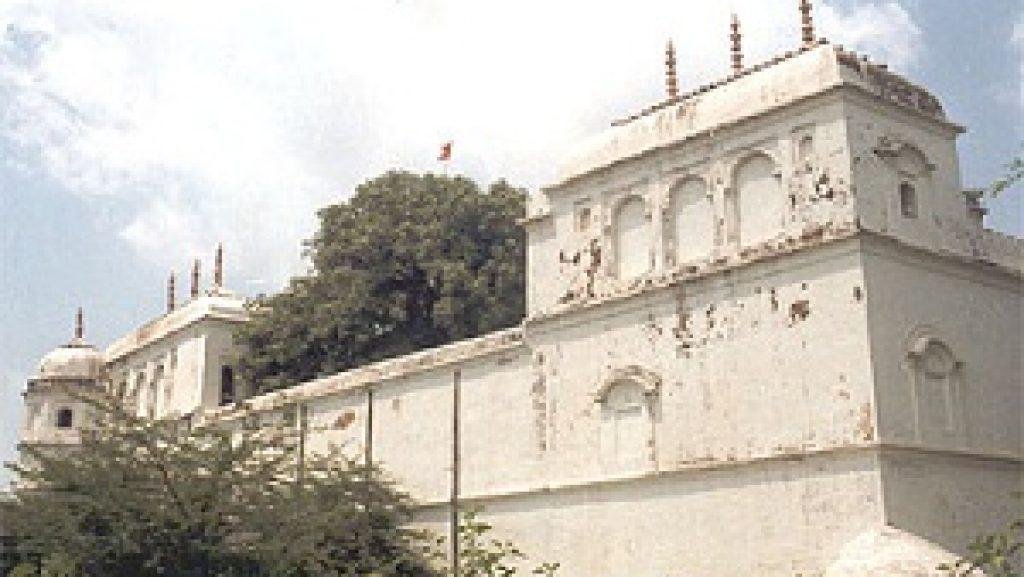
[
  {"x": 203, "y": 121},
  {"x": 884, "y": 31}
]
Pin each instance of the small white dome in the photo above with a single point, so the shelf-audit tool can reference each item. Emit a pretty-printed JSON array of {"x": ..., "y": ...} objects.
[
  {"x": 71, "y": 361},
  {"x": 889, "y": 552}
]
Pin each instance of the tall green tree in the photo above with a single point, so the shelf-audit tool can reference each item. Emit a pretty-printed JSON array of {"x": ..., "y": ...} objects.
[
  {"x": 409, "y": 261},
  {"x": 143, "y": 498}
]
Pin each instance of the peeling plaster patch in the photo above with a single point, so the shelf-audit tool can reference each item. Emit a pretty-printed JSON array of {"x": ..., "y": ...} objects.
[
  {"x": 799, "y": 310},
  {"x": 344, "y": 420},
  {"x": 538, "y": 397},
  {"x": 865, "y": 425}
]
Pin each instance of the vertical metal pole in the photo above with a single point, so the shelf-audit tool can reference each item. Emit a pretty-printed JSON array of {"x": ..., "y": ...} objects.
[
  {"x": 367, "y": 478},
  {"x": 456, "y": 405},
  {"x": 368, "y": 441},
  {"x": 300, "y": 416}
]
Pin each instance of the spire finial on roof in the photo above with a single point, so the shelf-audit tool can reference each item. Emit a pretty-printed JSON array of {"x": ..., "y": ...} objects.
[
  {"x": 218, "y": 266},
  {"x": 79, "y": 325},
  {"x": 671, "y": 82},
  {"x": 170, "y": 292},
  {"x": 806, "y": 23},
  {"x": 194, "y": 289},
  {"x": 736, "y": 50}
]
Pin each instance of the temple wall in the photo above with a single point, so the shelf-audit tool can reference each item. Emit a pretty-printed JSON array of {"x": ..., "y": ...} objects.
[
  {"x": 218, "y": 350},
  {"x": 771, "y": 519},
  {"x": 921, "y": 306},
  {"x": 711, "y": 198},
  {"x": 890, "y": 147},
  {"x": 950, "y": 499},
  {"x": 730, "y": 437},
  {"x": 731, "y": 357}
]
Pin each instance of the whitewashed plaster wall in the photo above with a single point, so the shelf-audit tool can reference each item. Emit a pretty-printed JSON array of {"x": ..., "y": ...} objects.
[
  {"x": 949, "y": 498},
  {"x": 178, "y": 373},
  {"x": 220, "y": 350},
  {"x": 977, "y": 402},
  {"x": 161, "y": 378},
  {"x": 772, "y": 518},
  {"x": 792, "y": 164},
  {"x": 964, "y": 407},
  {"x": 890, "y": 146},
  {"x": 735, "y": 436},
  {"x": 43, "y": 401}
]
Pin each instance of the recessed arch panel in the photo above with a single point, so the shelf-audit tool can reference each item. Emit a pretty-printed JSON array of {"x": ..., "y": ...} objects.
[
  {"x": 759, "y": 199},
  {"x": 691, "y": 221},
  {"x": 632, "y": 238}
]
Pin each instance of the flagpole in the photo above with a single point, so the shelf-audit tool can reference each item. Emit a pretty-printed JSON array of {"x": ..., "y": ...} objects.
[{"x": 445, "y": 157}]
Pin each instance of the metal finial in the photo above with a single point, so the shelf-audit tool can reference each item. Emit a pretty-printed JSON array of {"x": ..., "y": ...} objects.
[
  {"x": 194, "y": 288},
  {"x": 737, "y": 50},
  {"x": 170, "y": 292},
  {"x": 671, "y": 82},
  {"x": 218, "y": 266},
  {"x": 806, "y": 23},
  {"x": 79, "y": 324}
]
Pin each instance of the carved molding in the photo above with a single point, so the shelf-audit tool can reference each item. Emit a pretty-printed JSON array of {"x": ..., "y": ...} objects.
[{"x": 649, "y": 381}]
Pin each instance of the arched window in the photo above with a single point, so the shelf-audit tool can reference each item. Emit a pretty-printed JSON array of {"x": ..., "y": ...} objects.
[
  {"x": 65, "y": 418},
  {"x": 227, "y": 385},
  {"x": 760, "y": 202},
  {"x": 691, "y": 230},
  {"x": 805, "y": 149},
  {"x": 912, "y": 174},
  {"x": 632, "y": 239},
  {"x": 908, "y": 200}
]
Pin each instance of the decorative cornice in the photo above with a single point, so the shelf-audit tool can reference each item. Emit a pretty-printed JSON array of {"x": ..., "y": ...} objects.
[{"x": 649, "y": 381}]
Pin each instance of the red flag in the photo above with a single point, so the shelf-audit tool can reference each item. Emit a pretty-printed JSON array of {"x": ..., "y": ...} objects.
[{"x": 446, "y": 152}]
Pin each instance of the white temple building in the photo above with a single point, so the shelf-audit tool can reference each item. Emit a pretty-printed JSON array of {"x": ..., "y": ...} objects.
[{"x": 766, "y": 334}]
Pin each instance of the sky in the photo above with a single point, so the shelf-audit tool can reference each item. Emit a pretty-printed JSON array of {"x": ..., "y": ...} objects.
[{"x": 134, "y": 136}]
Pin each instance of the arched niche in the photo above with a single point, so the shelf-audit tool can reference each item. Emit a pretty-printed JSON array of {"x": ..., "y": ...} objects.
[
  {"x": 648, "y": 381},
  {"x": 910, "y": 162},
  {"x": 935, "y": 379},
  {"x": 627, "y": 399},
  {"x": 631, "y": 238},
  {"x": 690, "y": 222},
  {"x": 759, "y": 203}
]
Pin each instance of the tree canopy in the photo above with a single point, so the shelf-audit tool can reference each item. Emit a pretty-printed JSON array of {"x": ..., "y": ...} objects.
[
  {"x": 408, "y": 262},
  {"x": 147, "y": 498},
  {"x": 143, "y": 498}
]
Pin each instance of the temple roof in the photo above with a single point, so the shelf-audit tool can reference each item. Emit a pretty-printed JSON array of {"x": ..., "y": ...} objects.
[
  {"x": 778, "y": 82},
  {"x": 217, "y": 305}
]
